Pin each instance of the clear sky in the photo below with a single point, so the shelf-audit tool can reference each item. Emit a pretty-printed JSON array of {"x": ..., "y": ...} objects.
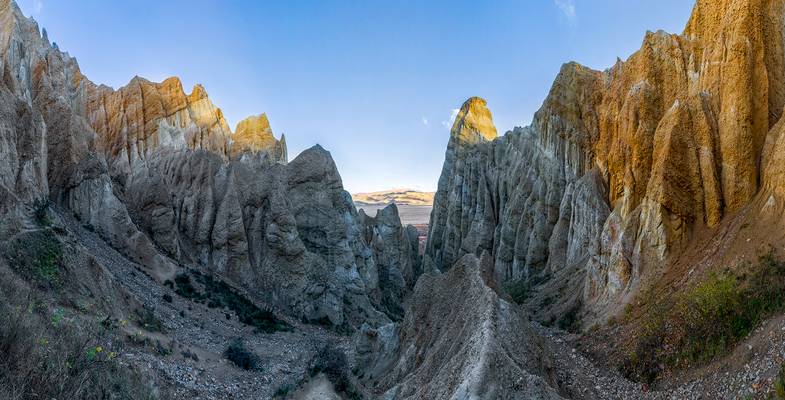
[{"x": 372, "y": 81}]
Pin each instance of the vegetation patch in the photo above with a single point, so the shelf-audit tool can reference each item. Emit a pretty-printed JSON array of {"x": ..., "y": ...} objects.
[
  {"x": 332, "y": 362},
  {"x": 283, "y": 390},
  {"x": 779, "y": 384},
  {"x": 37, "y": 256},
  {"x": 41, "y": 212},
  {"x": 48, "y": 356},
  {"x": 571, "y": 321},
  {"x": 520, "y": 290},
  {"x": 708, "y": 320},
  {"x": 147, "y": 319},
  {"x": 218, "y": 294},
  {"x": 240, "y": 356}
]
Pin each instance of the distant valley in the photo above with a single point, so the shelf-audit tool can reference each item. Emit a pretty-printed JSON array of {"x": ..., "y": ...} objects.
[
  {"x": 399, "y": 196},
  {"x": 414, "y": 207}
]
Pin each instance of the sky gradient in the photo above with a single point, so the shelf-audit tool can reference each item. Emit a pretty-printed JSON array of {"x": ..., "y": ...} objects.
[{"x": 374, "y": 82}]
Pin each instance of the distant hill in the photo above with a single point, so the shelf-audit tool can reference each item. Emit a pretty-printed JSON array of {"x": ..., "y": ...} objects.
[{"x": 399, "y": 196}]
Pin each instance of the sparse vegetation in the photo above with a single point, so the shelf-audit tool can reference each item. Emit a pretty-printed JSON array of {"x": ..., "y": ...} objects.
[
  {"x": 283, "y": 390},
  {"x": 706, "y": 321},
  {"x": 520, "y": 290},
  {"x": 217, "y": 294},
  {"x": 147, "y": 319},
  {"x": 37, "y": 256},
  {"x": 41, "y": 212},
  {"x": 332, "y": 362},
  {"x": 570, "y": 320},
  {"x": 46, "y": 356},
  {"x": 240, "y": 356},
  {"x": 779, "y": 384}
]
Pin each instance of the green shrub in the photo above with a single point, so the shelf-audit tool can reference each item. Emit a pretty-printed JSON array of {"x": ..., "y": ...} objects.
[
  {"x": 41, "y": 212},
  {"x": 570, "y": 321},
  {"x": 43, "y": 360},
  {"x": 185, "y": 288},
  {"x": 218, "y": 294},
  {"x": 147, "y": 319},
  {"x": 779, "y": 384},
  {"x": 332, "y": 362},
  {"x": 240, "y": 356},
  {"x": 714, "y": 316},
  {"x": 708, "y": 320},
  {"x": 283, "y": 390},
  {"x": 520, "y": 290},
  {"x": 37, "y": 256}
]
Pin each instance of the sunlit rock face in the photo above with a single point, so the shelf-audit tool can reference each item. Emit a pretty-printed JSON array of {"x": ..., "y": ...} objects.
[
  {"x": 143, "y": 116},
  {"x": 619, "y": 167},
  {"x": 254, "y": 137},
  {"x": 159, "y": 175}
]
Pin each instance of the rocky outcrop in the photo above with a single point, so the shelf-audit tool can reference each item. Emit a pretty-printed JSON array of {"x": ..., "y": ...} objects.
[
  {"x": 620, "y": 167},
  {"x": 254, "y": 137},
  {"x": 396, "y": 251},
  {"x": 158, "y": 174}
]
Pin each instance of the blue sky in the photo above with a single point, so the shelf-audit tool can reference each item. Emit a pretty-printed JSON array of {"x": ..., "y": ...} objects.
[{"x": 374, "y": 82}]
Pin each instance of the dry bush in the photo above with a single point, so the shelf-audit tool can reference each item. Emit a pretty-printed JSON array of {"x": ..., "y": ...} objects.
[{"x": 47, "y": 354}]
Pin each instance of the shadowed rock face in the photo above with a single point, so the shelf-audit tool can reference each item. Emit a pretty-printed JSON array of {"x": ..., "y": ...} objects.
[
  {"x": 396, "y": 251},
  {"x": 619, "y": 167},
  {"x": 160, "y": 176}
]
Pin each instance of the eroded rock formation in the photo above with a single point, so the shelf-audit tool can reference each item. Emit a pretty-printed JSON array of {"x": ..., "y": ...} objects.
[
  {"x": 619, "y": 167},
  {"x": 458, "y": 341},
  {"x": 161, "y": 177}
]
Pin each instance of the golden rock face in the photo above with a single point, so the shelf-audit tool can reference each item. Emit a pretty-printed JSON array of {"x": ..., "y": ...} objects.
[
  {"x": 254, "y": 135},
  {"x": 474, "y": 122},
  {"x": 143, "y": 116},
  {"x": 678, "y": 130},
  {"x": 711, "y": 94},
  {"x": 681, "y": 134}
]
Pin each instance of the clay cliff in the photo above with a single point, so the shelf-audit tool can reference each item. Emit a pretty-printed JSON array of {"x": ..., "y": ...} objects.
[
  {"x": 621, "y": 167},
  {"x": 159, "y": 175}
]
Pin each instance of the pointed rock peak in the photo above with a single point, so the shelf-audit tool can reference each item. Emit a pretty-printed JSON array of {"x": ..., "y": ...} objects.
[
  {"x": 197, "y": 93},
  {"x": 254, "y": 135},
  {"x": 389, "y": 215},
  {"x": 172, "y": 81},
  {"x": 257, "y": 125},
  {"x": 474, "y": 123},
  {"x": 318, "y": 149}
]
